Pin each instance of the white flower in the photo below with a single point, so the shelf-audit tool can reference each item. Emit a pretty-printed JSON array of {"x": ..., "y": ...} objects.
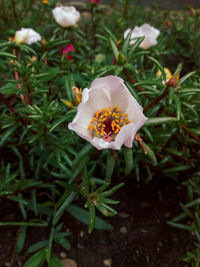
[
  {"x": 66, "y": 15},
  {"x": 26, "y": 36},
  {"x": 150, "y": 33},
  {"x": 108, "y": 115}
]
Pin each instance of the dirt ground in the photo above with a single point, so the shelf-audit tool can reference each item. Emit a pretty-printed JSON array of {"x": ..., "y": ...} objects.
[{"x": 140, "y": 236}]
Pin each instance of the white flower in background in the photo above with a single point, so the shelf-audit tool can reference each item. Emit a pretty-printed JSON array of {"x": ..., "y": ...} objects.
[
  {"x": 108, "y": 115},
  {"x": 26, "y": 36},
  {"x": 66, "y": 15},
  {"x": 150, "y": 33}
]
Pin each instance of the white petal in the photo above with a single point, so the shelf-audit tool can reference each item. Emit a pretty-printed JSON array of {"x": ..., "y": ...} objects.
[
  {"x": 66, "y": 15},
  {"x": 150, "y": 33},
  {"x": 107, "y": 92},
  {"x": 26, "y": 36}
]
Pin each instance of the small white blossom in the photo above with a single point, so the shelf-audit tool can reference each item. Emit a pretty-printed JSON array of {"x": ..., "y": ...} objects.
[
  {"x": 27, "y": 36},
  {"x": 150, "y": 33},
  {"x": 66, "y": 16},
  {"x": 108, "y": 115}
]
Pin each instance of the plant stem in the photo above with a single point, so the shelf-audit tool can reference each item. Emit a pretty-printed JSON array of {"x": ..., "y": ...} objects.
[
  {"x": 156, "y": 100},
  {"x": 130, "y": 78}
]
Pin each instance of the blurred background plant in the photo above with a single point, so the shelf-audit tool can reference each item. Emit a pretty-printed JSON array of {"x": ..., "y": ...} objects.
[{"x": 47, "y": 169}]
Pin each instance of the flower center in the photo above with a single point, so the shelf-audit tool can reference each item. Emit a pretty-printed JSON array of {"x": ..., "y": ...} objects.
[{"x": 106, "y": 123}]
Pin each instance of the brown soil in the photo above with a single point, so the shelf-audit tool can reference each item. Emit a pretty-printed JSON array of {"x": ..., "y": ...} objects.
[{"x": 140, "y": 236}]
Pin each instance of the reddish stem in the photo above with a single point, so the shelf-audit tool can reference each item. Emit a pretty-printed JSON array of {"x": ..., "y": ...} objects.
[
  {"x": 130, "y": 78},
  {"x": 156, "y": 100}
]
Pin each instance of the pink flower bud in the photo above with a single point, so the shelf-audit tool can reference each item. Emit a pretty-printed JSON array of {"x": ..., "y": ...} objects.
[
  {"x": 94, "y": 1},
  {"x": 66, "y": 51}
]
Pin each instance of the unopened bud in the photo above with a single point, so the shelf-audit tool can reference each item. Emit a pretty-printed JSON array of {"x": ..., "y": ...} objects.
[
  {"x": 44, "y": 42},
  {"x": 173, "y": 81},
  {"x": 121, "y": 59},
  {"x": 77, "y": 94},
  {"x": 67, "y": 103},
  {"x": 34, "y": 58}
]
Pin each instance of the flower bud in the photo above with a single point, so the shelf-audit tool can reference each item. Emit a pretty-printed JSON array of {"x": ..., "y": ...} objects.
[
  {"x": 77, "y": 94},
  {"x": 67, "y": 103},
  {"x": 121, "y": 59},
  {"x": 173, "y": 81}
]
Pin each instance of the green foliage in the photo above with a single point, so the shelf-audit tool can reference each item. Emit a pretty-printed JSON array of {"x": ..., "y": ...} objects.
[{"x": 45, "y": 167}]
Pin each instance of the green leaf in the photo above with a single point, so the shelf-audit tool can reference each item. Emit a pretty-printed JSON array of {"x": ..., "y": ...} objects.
[
  {"x": 185, "y": 77},
  {"x": 83, "y": 216},
  {"x": 159, "y": 66},
  {"x": 38, "y": 246},
  {"x": 63, "y": 242},
  {"x": 135, "y": 45},
  {"x": 92, "y": 217},
  {"x": 126, "y": 43},
  {"x": 8, "y": 55},
  {"x": 36, "y": 259},
  {"x": 114, "y": 48},
  {"x": 128, "y": 158},
  {"x": 110, "y": 34},
  {"x": 178, "y": 107},
  {"x": 110, "y": 164},
  {"x": 62, "y": 208},
  {"x": 58, "y": 122},
  {"x": 111, "y": 191},
  {"x": 150, "y": 154},
  {"x": 160, "y": 120},
  {"x": 7, "y": 134},
  {"x": 87, "y": 148},
  {"x": 105, "y": 209},
  {"x": 180, "y": 226},
  {"x": 54, "y": 262},
  {"x": 21, "y": 239},
  {"x": 177, "y": 169}
]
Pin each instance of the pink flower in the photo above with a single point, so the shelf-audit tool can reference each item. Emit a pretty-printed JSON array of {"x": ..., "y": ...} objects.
[
  {"x": 108, "y": 115},
  {"x": 66, "y": 50},
  {"x": 94, "y": 1}
]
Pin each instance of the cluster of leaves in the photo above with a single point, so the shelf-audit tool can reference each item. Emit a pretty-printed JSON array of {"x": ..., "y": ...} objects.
[{"x": 42, "y": 157}]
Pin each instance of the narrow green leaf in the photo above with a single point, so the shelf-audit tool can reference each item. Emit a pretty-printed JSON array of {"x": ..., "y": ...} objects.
[
  {"x": 7, "y": 55},
  {"x": 105, "y": 209},
  {"x": 63, "y": 242},
  {"x": 125, "y": 46},
  {"x": 159, "y": 66},
  {"x": 178, "y": 107},
  {"x": 177, "y": 169},
  {"x": 21, "y": 239},
  {"x": 150, "y": 154},
  {"x": 135, "y": 45},
  {"x": 37, "y": 246},
  {"x": 185, "y": 77},
  {"x": 54, "y": 262},
  {"x": 83, "y": 216},
  {"x": 110, "y": 34},
  {"x": 7, "y": 134},
  {"x": 111, "y": 191},
  {"x": 114, "y": 48},
  {"x": 110, "y": 164},
  {"x": 92, "y": 217},
  {"x": 62, "y": 208},
  {"x": 171, "y": 95},
  {"x": 180, "y": 226},
  {"x": 128, "y": 158},
  {"x": 36, "y": 259},
  {"x": 86, "y": 149},
  {"x": 160, "y": 120}
]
